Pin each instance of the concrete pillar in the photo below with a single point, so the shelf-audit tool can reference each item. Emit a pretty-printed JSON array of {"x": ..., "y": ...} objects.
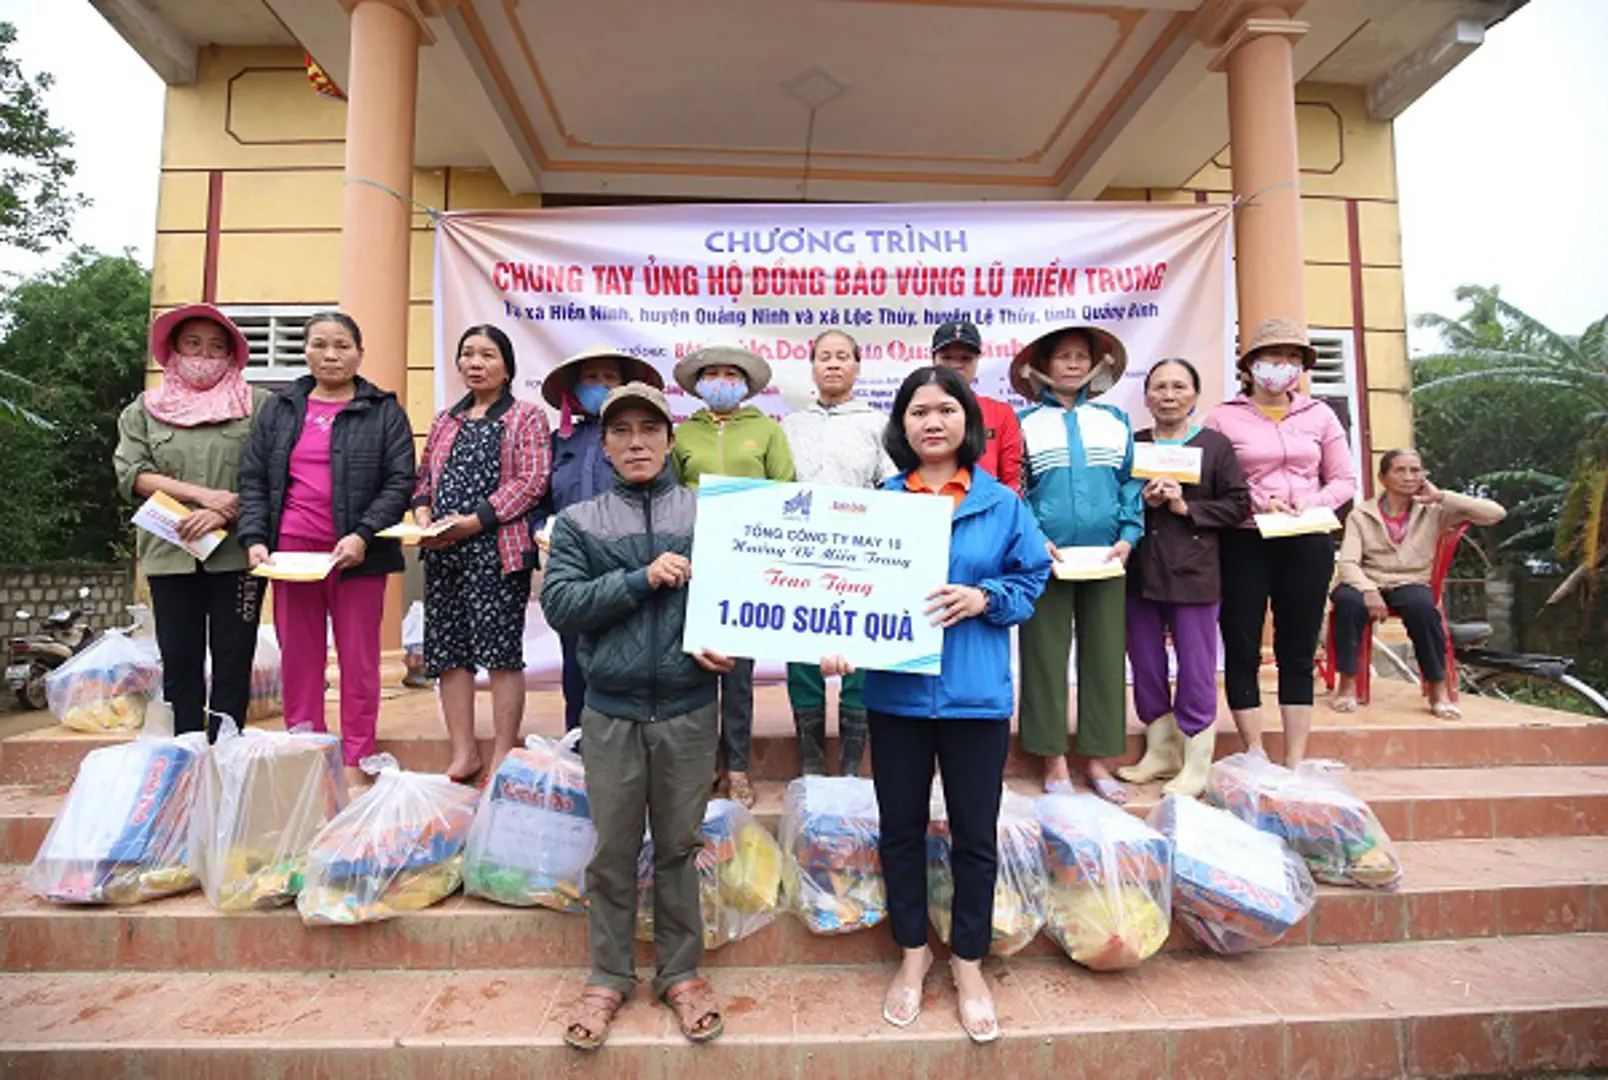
[
  {"x": 382, "y": 91},
  {"x": 1256, "y": 46}
]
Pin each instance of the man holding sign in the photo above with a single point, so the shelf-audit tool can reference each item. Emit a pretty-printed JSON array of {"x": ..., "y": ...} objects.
[{"x": 616, "y": 579}]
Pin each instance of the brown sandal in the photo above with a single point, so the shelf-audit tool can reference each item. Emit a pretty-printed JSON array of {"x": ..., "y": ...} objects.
[
  {"x": 696, "y": 1010},
  {"x": 741, "y": 790},
  {"x": 589, "y": 1024}
]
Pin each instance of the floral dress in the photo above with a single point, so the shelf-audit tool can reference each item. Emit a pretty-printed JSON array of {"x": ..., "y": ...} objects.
[{"x": 474, "y": 613}]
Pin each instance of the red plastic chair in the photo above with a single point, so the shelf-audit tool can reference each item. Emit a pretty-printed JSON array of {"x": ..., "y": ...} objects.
[{"x": 1445, "y": 552}]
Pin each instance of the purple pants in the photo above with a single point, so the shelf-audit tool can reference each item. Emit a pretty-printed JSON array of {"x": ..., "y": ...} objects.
[{"x": 1194, "y": 634}]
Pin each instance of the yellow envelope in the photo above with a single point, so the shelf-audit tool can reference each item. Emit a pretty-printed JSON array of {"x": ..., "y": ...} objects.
[
  {"x": 1180, "y": 463},
  {"x": 1086, "y": 564}
]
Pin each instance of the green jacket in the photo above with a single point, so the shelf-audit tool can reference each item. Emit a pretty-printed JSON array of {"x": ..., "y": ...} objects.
[
  {"x": 208, "y": 455},
  {"x": 749, "y": 444},
  {"x": 596, "y": 587}
]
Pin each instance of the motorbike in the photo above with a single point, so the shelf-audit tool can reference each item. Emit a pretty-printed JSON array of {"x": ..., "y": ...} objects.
[{"x": 61, "y": 635}]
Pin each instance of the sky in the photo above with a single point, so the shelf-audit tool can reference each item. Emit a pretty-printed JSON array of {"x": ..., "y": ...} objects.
[{"x": 1501, "y": 165}]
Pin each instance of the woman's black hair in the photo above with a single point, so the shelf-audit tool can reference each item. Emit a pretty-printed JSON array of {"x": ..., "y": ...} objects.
[
  {"x": 854, "y": 346},
  {"x": 1390, "y": 457},
  {"x": 498, "y": 338},
  {"x": 1194, "y": 376},
  {"x": 340, "y": 318},
  {"x": 893, "y": 436}
]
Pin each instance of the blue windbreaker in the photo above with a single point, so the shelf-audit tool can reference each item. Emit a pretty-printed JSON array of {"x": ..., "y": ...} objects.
[
  {"x": 995, "y": 545},
  {"x": 580, "y": 470},
  {"x": 1077, "y": 473}
]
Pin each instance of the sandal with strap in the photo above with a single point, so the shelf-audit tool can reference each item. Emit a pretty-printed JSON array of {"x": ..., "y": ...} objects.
[
  {"x": 1109, "y": 790},
  {"x": 696, "y": 1010},
  {"x": 977, "y": 1017},
  {"x": 902, "y": 1004},
  {"x": 1344, "y": 703},
  {"x": 588, "y": 1026},
  {"x": 741, "y": 790},
  {"x": 1446, "y": 710}
]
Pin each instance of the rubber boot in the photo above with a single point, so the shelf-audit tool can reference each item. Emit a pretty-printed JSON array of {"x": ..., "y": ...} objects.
[
  {"x": 811, "y": 725},
  {"x": 1198, "y": 751},
  {"x": 1164, "y": 752},
  {"x": 851, "y": 733}
]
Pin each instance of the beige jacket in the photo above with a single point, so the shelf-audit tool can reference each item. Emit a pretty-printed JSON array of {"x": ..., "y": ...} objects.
[{"x": 1370, "y": 562}]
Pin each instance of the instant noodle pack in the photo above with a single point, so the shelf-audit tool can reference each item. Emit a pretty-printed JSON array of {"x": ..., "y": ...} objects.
[
  {"x": 833, "y": 876},
  {"x": 739, "y": 876}
]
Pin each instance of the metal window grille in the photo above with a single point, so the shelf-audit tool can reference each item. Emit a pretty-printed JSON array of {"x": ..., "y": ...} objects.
[
  {"x": 1334, "y": 379},
  {"x": 275, "y": 336}
]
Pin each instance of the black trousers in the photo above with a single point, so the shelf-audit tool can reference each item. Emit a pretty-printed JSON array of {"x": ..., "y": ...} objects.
[
  {"x": 574, "y": 681},
  {"x": 1292, "y": 572},
  {"x": 971, "y": 757},
  {"x": 1416, "y": 606},
  {"x": 192, "y": 612}
]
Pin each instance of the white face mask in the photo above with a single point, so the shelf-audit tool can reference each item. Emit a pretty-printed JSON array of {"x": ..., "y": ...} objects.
[{"x": 1274, "y": 377}]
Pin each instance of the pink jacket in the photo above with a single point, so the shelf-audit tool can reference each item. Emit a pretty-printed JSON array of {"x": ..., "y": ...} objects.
[{"x": 1301, "y": 459}]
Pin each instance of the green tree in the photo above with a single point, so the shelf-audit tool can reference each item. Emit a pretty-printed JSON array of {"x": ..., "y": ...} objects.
[
  {"x": 36, "y": 207},
  {"x": 78, "y": 334},
  {"x": 1521, "y": 411}
]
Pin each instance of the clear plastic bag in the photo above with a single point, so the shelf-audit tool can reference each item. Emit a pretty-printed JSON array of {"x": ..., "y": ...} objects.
[
  {"x": 1021, "y": 887},
  {"x": 398, "y": 847},
  {"x": 532, "y": 835},
  {"x": 105, "y": 687},
  {"x": 264, "y": 796},
  {"x": 267, "y": 678},
  {"x": 413, "y": 634},
  {"x": 1235, "y": 887},
  {"x": 121, "y": 835},
  {"x": 1110, "y": 902},
  {"x": 1314, "y": 812},
  {"x": 739, "y": 876},
  {"x": 832, "y": 875}
]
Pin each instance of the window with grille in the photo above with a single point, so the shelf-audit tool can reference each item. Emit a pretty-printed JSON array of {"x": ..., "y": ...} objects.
[
  {"x": 1334, "y": 380},
  {"x": 275, "y": 337}
]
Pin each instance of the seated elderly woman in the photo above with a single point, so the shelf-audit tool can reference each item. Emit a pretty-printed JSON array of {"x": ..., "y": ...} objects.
[{"x": 1385, "y": 562}]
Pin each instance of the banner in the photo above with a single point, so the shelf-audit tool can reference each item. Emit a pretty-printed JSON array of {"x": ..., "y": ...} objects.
[{"x": 661, "y": 281}]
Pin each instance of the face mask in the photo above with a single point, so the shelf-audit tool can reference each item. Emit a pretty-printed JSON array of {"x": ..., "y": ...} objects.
[
  {"x": 1274, "y": 378},
  {"x": 591, "y": 396},
  {"x": 203, "y": 372},
  {"x": 721, "y": 395}
]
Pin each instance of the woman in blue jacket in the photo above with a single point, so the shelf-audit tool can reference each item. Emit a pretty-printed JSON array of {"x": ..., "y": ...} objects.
[
  {"x": 577, "y": 388},
  {"x": 998, "y": 561},
  {"x": 1077, "y": 462}
]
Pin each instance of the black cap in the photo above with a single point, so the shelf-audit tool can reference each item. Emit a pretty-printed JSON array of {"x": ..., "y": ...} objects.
[{"x": 957, "y": 333}]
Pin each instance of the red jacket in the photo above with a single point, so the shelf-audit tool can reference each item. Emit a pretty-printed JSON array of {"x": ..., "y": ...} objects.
[{"x": 1003, "y": 455}]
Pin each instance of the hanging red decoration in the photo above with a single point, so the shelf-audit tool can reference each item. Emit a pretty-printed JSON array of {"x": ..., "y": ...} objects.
[{"x": 321, "y": 80}]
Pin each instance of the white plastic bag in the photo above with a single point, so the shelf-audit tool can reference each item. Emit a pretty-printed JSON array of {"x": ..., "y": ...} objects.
[
  {"x": 398, "y": 847},
  {"x": 121, "y": 834},
  {"x": 267, "y": 678},
  {"x": 1235, "y": 887},
  {"x": 739, "y": 876},
  {"x": 532, "y": 835},
  {"x": 413, "y": 630},
  {"x": 1110, "y": 903},
  {"x": 832, "y": 874},
  {"x": 264, "y": 796},
  {"x": 1020, "y": 887},
  {"x": 105, "y": 687},
  {"x": 1314, "y": 812}
]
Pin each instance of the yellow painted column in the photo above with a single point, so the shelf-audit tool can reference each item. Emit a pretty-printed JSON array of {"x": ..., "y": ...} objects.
[
  {"x": 1269, "y": 272},
  {"x": 382, "y": 92}
]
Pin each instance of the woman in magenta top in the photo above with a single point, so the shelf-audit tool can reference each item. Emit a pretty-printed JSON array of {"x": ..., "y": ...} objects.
[
  {"x": 329, "y": 466},
  {"x": 1294, "y": 454}
]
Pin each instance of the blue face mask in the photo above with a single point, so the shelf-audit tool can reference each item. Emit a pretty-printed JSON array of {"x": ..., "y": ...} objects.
[
  {"x": 722, "y": 395},
  {"x": 590, "y": 396}
]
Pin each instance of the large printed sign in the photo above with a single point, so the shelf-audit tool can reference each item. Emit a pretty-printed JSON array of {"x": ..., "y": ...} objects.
[{"x": 795, "y": 572}]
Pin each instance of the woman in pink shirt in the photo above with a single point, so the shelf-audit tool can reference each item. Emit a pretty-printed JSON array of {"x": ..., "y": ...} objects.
[{"x": 1295, "y": 456}]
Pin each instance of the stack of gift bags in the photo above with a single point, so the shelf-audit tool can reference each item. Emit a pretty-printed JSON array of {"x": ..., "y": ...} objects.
[
  {"x": 832, "y": 875},
  {"x": 739, "y": 876},
  {"x": 1020, "y": 886},
  {"x": 398, "y": 847},
  {"x": 532, "y": 835}
]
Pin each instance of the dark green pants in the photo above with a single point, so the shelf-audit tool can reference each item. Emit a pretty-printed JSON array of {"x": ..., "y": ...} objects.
[
  {"x": 1100, "y": 608},
  {"x": 806, "y": 689}
]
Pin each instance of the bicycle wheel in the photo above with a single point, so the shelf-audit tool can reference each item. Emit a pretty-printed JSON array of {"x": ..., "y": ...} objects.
[{"x": 1564, "y": 693}]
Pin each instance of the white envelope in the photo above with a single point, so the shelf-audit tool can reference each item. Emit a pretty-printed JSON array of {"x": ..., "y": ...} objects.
[
  {"x": 1180, "y": 463},
  {"x": 1314, "y": 519}
]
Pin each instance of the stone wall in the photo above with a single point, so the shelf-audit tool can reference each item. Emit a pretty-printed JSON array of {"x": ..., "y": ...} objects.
[{"x": 45, "y": 589}]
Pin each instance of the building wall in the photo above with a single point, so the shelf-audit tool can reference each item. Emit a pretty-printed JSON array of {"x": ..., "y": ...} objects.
[{"x": 250, "y": 210}]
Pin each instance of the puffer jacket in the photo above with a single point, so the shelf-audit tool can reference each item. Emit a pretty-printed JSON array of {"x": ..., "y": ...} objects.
[
  {"x": 596, "y": 587},
  {"x": 371, "y": 470}
]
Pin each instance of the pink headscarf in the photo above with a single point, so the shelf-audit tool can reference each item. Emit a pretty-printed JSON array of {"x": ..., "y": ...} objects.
[{"x": 198, "y": 390}]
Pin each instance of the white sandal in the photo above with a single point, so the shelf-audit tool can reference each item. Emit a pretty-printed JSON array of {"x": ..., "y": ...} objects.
[
  {"x": 977, "y": 1017},
  {"x": 901, "y": 1005},
  {"x": 1446, "y": 710}
]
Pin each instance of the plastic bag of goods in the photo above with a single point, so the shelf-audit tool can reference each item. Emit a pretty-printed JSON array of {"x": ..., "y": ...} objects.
[
  {"x": 1110, "y": 897},
  {"x": 398, "y": 847},
  {"x": 1021, "y": 886},
  {"x": 1236, "y": 888},
  {"x": 264, "y": 796},
  {"x": 532, "y": 835},
  {"x": 121, "y": 835},
  {"x": 832, "y": 875},
  {"x": 413, "y": 640},
  {"x": 1314, "y": 812},
  {"x": 739, "y": 876},
  {"x": 105, "y": 687},
  {"x": 267, "y": 679}
]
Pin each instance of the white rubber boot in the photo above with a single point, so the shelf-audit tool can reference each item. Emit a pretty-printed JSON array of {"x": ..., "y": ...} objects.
[
  {"x": 1197, "y": 769},
  {"x": 1164, "y": 752}
]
